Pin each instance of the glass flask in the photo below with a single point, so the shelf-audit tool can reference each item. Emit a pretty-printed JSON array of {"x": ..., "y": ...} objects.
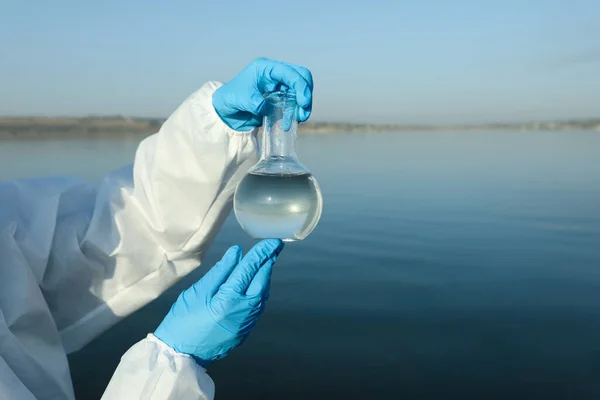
[{"x": 278, "y": 198}]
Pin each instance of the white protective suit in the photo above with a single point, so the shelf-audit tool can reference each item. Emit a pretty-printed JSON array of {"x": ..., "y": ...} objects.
[{"x": 74, "y": 260}]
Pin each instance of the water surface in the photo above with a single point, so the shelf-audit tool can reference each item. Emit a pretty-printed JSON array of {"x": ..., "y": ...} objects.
[{"x": 445, "y": 265}]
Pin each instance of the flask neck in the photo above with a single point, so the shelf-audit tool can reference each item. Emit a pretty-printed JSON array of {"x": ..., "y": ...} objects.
[
  {"x": 277, "y": 143},
  {"x": 280, "y": 130},
  {"x": 280, "y": 127}
]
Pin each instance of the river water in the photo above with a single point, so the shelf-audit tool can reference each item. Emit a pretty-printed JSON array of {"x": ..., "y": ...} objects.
[{"x": 446, "y": 265}]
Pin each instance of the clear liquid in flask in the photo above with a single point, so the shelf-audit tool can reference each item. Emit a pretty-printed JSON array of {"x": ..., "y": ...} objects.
[{"x": 287, "y": 207}]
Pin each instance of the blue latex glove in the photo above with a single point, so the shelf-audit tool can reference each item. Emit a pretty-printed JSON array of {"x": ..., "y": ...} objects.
[
  {"x": 240, "y": 102},
  {"x": 215, "y": 315}
]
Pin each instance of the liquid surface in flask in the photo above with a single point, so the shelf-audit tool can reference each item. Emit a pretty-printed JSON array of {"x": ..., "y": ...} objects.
[{"x": 287, "y": 207}]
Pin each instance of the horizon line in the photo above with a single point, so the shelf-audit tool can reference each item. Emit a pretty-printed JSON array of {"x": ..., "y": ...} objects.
[{"x": 115, "y": 117}]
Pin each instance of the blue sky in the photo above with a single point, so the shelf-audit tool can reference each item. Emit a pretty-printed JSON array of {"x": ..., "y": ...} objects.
[{"x": 427, "y": 61}]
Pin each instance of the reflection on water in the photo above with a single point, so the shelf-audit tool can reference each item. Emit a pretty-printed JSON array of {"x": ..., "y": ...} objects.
[{"x": 451, "y": 265}]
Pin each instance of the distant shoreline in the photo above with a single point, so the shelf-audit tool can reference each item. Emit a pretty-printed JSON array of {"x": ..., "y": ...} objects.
[{"x": 37, "y": 128}]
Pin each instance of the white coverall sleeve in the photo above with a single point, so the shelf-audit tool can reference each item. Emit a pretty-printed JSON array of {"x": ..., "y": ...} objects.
[
  {"x": 151, "y": 224},
  {"x": 151, "y": 370},
  {"x": 74, "y": 260}
]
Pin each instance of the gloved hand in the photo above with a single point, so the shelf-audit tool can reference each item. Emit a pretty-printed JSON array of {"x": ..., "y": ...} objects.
[
  {"x": 215, "y": 315},
  {"x": 240, "y": 102}
]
